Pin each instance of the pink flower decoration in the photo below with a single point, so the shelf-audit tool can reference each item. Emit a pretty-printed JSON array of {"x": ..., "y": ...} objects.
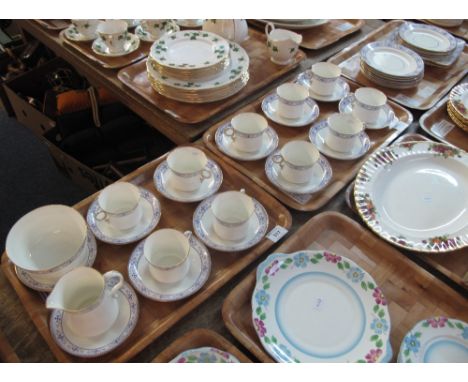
[
  {"x": 373, "y": 355},
  {"x": 182, "y": 360},
  {"x": 260, "y": 327},
  {"x": 379, "y": 297},
  {"x": 273, "y": 268},
  {"x": 437, "y": 322},
  {"x": 330, "y": 257}
]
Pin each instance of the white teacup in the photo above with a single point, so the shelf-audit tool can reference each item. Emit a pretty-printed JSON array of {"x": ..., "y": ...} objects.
[
  {"x": 157, "y": 27},
  {"x": 291, "y": 100},
  {"x": 119, "y": 204},
  {"x": 343, "y": 132},
  {"x": 296, "y": 160},
  {"x": 369, "y": 102},
  {"x": 324, "y": 77},
  {"x": 48, "y": 241},
  {"x": 91, "y": 307},
  {"x": 167, "y": 252},
  {"x": 86, "y": 27},
  {"x": 188, "y": 167},
  {"x": 247, "y": 131},
  {"x": 232, "y": 211},
  {"x": 282, "y": 44},
  {"x": 114, "y": 34}
]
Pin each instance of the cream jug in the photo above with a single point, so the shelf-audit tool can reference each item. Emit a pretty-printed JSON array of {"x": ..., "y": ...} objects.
[
  {"x": 282, "y": 44},
  {"x": 232, "y": 29},
  {"x": 89, "y": 300}
]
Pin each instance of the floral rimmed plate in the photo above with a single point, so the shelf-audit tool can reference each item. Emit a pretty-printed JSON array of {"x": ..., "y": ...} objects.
[
  {"x": 436, "y": 339},
  {"x": 205, "y": 355},
  {"x": 459, "y": 100},
  {"x": 316, "y": 306},
  {"x": 100, "y": 47},
  {"x": 415, "y": 195}
]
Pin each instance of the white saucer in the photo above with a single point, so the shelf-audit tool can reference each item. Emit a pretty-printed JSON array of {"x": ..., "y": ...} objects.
[
  {"x": 144, "y": 35},
  {"x": 73, "y": 34},
  {"x": 105, "y": 232},
  {"x": 88, "y": 347},
  {"x": 225, "y": 144},
  {"x": 205, "y": 355},
  {"x": 341, "y": 88},
  {"x": 317, "y": 137},
  {"x": 162, "y": 181},
  {"x": 386, "y": 118},
  {"x": 41, "y": 284},
  {"x": 270, "y": 107},
  {"x": 322, "y": 173},
  {"x": 203, "y": 227},
  {"x": 100, "y": 47},
  {"x": 145, "y": 284}
]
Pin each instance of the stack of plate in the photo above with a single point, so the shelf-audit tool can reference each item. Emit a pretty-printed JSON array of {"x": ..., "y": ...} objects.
[
  {"x": 457, "y": 106},
  {"x": 435, "y": 46},
  {"x": 391, "y": 65},
  {"x": 197, "y": 67},
  {"x": 447, "y": 23}
]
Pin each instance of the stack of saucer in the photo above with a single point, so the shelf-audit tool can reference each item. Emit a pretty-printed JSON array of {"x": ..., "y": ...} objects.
[
  {"x": 457, "y": 106},
  {"x": 436, "y": 46},
  {"x": 391, "y": 65},
  {"x": 197, "y": 67}
]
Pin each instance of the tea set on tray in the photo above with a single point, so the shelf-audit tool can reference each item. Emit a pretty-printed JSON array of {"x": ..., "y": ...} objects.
[{"x": 53, "y": 249}]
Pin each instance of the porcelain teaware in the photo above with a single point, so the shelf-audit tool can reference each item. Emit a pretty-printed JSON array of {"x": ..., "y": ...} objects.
[
  {"x": 291, "y": 100},
  {"x": 86, "y": 27},
  {"x": 324, "y": 77},
  {"x": 114, "y": 34},
  {"x": 231, "y": 29},
  {"x": 282, "y": 44},
  {"x": 90, "y": 304},
  {"x": 246, "y": 131},
  {"x": 343, "y": 132},
  {"x": 158, "y": 27},
  {"x": 369, "y": 102}
]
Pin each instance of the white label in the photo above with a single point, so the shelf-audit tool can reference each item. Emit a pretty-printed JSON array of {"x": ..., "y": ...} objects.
[
  {"x": 426, "y": 91},
  {"x": 344, "y": 27},
  {"x": 276, "y": 233},
  {"x": 442, "y": 128}
]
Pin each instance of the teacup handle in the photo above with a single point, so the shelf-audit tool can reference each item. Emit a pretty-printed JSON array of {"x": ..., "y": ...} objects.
[
  {"x": 101, "y": 215},
  {"x": 205, "y": 174},
  {"x": 229, "y": 132},
  {"x": 188, "y": 234},
  {"x": 278, "y": 159},
  {"x": 116, "y": 287},
  {"x": 270, "y": 26}
]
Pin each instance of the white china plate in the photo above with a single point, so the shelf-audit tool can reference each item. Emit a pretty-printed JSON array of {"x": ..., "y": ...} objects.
[
  {"x": 237, "y": 69},
  {"x": 448, "y": 23},
  {"x": 415, "y": 195},
  {"x": 42, "y": 284},
  {"x": 190, "y": 49},
  {"x": 142, "y": 280},
  {"x": 73, "y": 34},
  {"x": 225, "y": 144},
  {"x": 205, "y": 355},
  {"x": 105, "y": 232},
  {"x": 317, "y": 135},
  {"x": 100, "y": 48},
  {"x": 386, "y": 117},
  {"x": 89, "y": 347},
  {"x": 322, "y": 174},
  {"x": 459, "y": 99},
  {"x": 436, "y": 339},
  {"x": 340, "y": 91},
  {"x": 392, "y": 59},
  {"x": 315, "y": 306},
  {"x": 270, "y": 108},
  {"x": 298, "y": 24},
  {"x": 203, "y": 227},
  {"x": 190, "y": 23},
  {"x": 427, "y": 37},
  {"x": 168, "y": 28},
  {"x": 162, "y": 181}
]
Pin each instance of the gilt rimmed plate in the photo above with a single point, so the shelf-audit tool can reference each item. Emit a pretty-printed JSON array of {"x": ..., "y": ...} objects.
[
  {"x": 298, "y": 307},
  {"x": 203, "y": 227},
  {"x": 142, "y": 280},
  {"x": 104, "y": 231},
  {"x": 270, "y": 141},
  {"x": 162, "y": 179},
  {"x": 205, "y": 355},
  {"x": 459, "y": 99},
  {"x": 392, "y": 59},
  {"x": 100, "y": 47},
  {"x": 190, "y": 49},
  {"x": 415, "y": 195},
  {"x": 427, "y": 37},
  {"x": 436, "y": 339}
]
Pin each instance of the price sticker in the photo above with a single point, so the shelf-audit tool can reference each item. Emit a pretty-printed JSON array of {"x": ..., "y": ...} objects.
[{"x": 277, "y": 233}]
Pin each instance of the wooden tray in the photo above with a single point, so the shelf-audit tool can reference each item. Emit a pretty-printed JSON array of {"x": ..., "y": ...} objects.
[
  {"x": 323, "y": 35},
  {"x": 460, "y": 31},
  {"x": 53, "y": 24},
  {"x": 157, "y": 317},
  {"x": 343, "y": 171},
  {"x": 438, "y": 124},
  {"x": 435, "y": 84},
  {"x": 108, "y": 62},
  {"x": 7, "y": 353},
  {"x": 412, "y": 292},
  {"x": 262, "y": 72},
  {"x": 199, "y": 338}
]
